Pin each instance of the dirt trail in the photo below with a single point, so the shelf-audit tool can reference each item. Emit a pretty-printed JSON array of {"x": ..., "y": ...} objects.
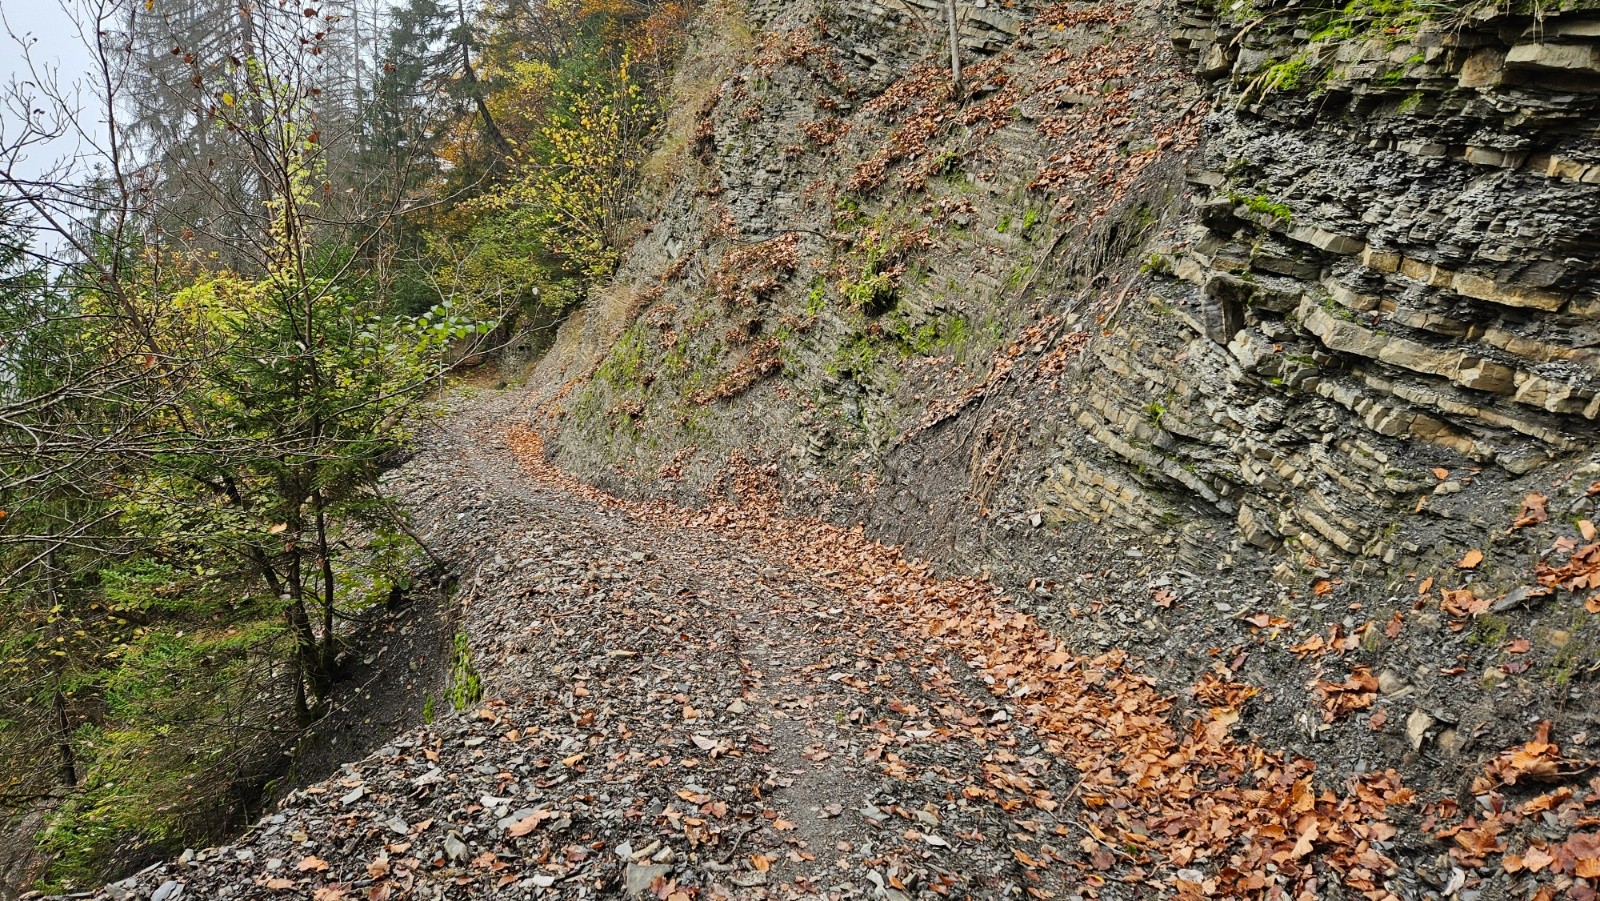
[{"x": 730, "y": 703}]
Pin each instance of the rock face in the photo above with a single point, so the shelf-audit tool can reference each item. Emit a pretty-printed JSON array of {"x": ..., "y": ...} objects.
[
  {"x": 1231, "y": 282},
  {"x": 1391, "y": 261}
]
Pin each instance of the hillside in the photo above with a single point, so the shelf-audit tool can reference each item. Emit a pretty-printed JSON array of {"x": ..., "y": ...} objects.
[{"x": 1161, "y": 462}]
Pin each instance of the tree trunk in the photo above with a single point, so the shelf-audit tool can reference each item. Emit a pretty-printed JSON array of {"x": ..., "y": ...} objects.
[
  {"x": 312, "y": 684},
  {"x": 67, "y": 759},
  {"x": 490, "y": 127},
  {"x": 955, "y": 48},
  {"x": 325, "y": 562}
]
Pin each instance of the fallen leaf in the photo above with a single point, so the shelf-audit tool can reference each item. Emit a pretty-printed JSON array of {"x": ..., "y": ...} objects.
[
  {"x": 528, "y": 823},
  {"x": 1586, "y": 529},
  {"x": 1535, "y": 510},
  {"x": 1471, "y": 559},
  {"x": 1537, "y": 858},
  {"x": 1307, "y": 841},
  {"x": 761, "y": 862},
  {"x": 312, "y": 863},
  {"x": 280, "y": 884},
  {"x": 1441, "y": 473}
]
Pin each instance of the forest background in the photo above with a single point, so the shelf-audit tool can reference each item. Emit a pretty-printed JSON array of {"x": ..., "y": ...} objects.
[{"x": 279, "y": 225}]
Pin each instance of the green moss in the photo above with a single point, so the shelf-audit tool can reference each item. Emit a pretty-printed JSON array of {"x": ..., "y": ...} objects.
[
  {"x": 1158, "y": 263},
  {"x": 1489, "y": 631},
  {"x": 1018, "y": 277},
  {"x": 466, "y": 686},
  {"x": 945, "y": 331},
  {"x": 623, "y": 365},
  {"x": 817, "y": 300},
  {"x": 875, "y": 289},
  {"x": 1394, "y": 21},
  {"x": 1260, "y": 203},
  {"x": 1289, "y": 75}
]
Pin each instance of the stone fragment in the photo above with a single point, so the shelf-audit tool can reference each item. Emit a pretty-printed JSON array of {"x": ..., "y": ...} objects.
[
  {"x": 1417, "y": 726},
  {"x": 1578, "y": 58},
  {"x": 1391, "y": 683},
  {"x": 636, "y": 880}
]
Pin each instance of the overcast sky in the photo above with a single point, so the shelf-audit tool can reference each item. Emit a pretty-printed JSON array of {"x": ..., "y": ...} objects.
[{"x": 41, "y": 32}]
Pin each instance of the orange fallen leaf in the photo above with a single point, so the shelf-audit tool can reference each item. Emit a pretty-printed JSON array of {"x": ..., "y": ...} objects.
[
  {"x": 1462, "y": 602},
  {"x": 761, "y": 862},
  {"x": 1586, "y": 529},
  {"x": 1426, "y": 586},
  {"x": 1535, "y": 510},
  {"x": 1307, "y": 840},
  {"x": 1441, "y": 473},
  {"x": 528, "y": 823},
  {"x": 279, "y": 884},
  {"x": 1536, "y": 859},
  {"x": 312, "y": 863},
  {"x": 1471, "y": 559}
]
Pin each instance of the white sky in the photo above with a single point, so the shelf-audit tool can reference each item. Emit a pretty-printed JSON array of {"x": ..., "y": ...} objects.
[{"x": 41, "y": 32}]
